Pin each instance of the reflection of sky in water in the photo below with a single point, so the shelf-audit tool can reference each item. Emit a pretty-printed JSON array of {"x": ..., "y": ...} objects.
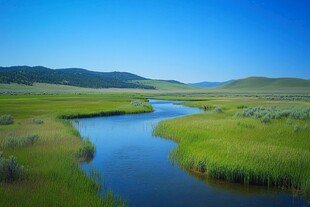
[{"x": 135, "y": 165}]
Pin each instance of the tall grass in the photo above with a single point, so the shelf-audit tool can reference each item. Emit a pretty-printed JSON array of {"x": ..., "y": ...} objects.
[
  {"x": 243, "y": 150},
  {"x": 86, "y": 151}
]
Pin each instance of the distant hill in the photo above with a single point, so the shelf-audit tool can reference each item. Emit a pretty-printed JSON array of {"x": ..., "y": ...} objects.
[
  {"x": 207, "y": 84},
  {"x": 262, "y": 83},
  {"x": 172, "y": 81},
  {"x": 165, "y": 85},
  {"x": 70, "y": 76}
]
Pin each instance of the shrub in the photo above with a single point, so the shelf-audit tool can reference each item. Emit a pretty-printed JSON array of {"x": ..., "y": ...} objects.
[
  {"x": 218, "y": 109},
  {"x": 13, "y": 141},
  {"x": 86, "y": 151},
  {"x": 265, "y": 119},
  {"x": 37, "y": 121},
  {"x": 2, "y": 163},
  {"x": 268, "y": 113},
  {"x": 10, "y": 169},
  {"x": 289, "y": 121},
  {"x": 296, "y": 128},
  {"x": 138, "y": 103},
  {"x": 31, "y": 139},
  {"x": 14, "y": 170},
  {"x": 6, "y": 119}
]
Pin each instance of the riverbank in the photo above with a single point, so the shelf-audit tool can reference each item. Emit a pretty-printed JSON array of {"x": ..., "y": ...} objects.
[
  {"x": 52, "y": 173},
  {"x": 242, "y": 149}
]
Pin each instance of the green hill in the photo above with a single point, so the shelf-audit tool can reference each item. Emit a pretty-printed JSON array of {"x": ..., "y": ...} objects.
[
  {"x": 262, "y": 83},
  {"x": 71, "y": 76},
  {"x": 165, "y": 85}
]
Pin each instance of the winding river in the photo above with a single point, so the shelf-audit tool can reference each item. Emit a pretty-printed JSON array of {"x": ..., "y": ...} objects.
[{"x": 135, "y": 165}]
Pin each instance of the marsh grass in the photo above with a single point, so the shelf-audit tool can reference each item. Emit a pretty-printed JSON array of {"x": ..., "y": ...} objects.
[
  {"x": 112, "y": 200},
  {"x": 54, "y": 177},
  {"x": 243, "y": 149},
  {"x": 87, "y": 151},
  {"x": 96, "y": 178}
]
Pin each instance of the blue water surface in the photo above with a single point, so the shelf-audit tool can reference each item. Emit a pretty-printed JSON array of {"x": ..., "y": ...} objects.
[{"x": 135, "y": 165}]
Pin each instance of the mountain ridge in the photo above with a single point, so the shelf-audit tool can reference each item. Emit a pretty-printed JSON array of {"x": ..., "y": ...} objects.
[{"x": 209, "y": 84}]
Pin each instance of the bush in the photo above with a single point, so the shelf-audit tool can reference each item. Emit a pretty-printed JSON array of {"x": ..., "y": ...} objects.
[
  {"x": 6, "y": 119},
  {"x": 265, "y": 114},
  {"x": 37, "y": 121},
  {"x": 10, "y": 169},
  {"x": 289, "y": 121},
  {"x": 296, "y": 128},
  {"x": 138, "y": 103},
  {"x": 218, "y": 109},
  {"x": 86, "y": 151},
  {"x": 31, "y": 139},
  {"x": 265, "y": 119},
  {"x": 13, "y": 141}
]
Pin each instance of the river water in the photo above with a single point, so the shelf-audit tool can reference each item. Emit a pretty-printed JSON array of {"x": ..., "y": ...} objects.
[{"x": 135, "y": 165}]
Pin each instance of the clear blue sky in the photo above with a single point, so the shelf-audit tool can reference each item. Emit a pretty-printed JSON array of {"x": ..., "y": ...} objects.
[{"x": 189, "y": 41}]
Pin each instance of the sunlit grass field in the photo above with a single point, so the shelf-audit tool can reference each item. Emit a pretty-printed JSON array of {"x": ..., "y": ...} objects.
[
  {"x": 239, "y": 149},
  {"x": 52, "y": 173}
]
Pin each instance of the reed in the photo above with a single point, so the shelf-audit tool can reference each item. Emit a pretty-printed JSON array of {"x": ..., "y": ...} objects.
[{"x": 241, "y": 148}]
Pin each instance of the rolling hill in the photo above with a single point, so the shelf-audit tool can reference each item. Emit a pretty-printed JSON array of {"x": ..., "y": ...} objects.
[
  {"x": 71, "y": 76},
  {"x": 206, "y": 84},
  {"x": 165, "y": 85},
  {"x": 263, "y": 83},
  {"x": 78, "y": 77}
]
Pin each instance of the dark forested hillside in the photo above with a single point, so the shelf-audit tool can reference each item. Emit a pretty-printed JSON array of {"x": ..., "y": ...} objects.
[{"x": 71, "y": 76}]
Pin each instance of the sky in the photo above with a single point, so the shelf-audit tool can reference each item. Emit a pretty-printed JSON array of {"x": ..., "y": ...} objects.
[{"x": 185, "y": 40}]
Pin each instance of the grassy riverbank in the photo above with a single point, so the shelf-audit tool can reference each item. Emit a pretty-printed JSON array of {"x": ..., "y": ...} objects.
[
  {"x": 52, "y": 174},
  {"x": 243, "y": 149}
]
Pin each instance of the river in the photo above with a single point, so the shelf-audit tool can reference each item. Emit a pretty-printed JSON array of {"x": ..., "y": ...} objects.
[{"x": 135, "y": 165}]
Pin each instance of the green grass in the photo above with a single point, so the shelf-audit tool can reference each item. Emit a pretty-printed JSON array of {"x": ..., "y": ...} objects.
[
  {"x": 242, "y": 149},
  {"x": 45, "y": 88},
  {"x": 53, "y": 176},
  {"x": 167, "y": 91}
]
